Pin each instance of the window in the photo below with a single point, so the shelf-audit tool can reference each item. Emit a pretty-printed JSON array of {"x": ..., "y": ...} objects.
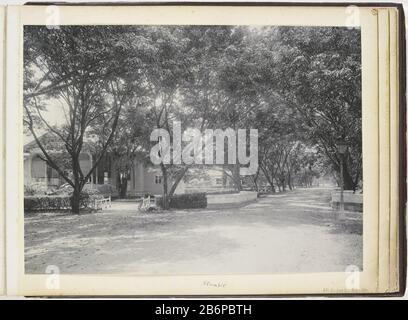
[
  {"x": 38, "y": 168},
  {"x": 218, "y": 181},
  {"x": 158, "y": 179}
]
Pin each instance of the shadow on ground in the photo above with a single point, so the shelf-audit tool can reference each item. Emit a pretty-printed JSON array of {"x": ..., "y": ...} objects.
[{"x": 291, "y": 232}]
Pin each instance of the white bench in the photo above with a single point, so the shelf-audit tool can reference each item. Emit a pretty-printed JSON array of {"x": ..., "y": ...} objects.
[
  {"x": 147, "y": 203},
  {"x": 103, "y": 203}
]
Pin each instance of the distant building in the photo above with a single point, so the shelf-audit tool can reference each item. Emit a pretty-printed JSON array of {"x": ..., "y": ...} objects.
[{"x": 37, "y": 171}]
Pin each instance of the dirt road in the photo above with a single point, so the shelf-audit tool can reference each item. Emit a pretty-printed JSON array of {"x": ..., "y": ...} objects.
[{"x": 282, "y": 233}]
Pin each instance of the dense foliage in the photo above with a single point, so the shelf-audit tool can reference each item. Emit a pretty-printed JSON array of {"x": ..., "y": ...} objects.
[{"x": 185, "y": 201}]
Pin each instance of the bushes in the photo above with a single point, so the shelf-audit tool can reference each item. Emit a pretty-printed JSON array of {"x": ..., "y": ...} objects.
[
  {"x": 57, "y": 202},
  {"x": 185, "y": 201},
  {"x": 60, "y": 199},
  {"x": 39, "y": 203},
  {"x": 107, "y": 190}
]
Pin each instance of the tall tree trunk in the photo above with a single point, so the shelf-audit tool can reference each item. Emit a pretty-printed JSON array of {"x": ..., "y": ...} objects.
[
  {"x": 282, "y": 181},
  {"x": 237, "y": 177},
  {"x": 76, "y": 194},
  {"x": 290, "y": 182},
  {"x": 277, "y": 181},
  {"x": 255, "y": 181},
  {"x": 270, "y": 180},
  {"x": 272, "y": 185},
  {"x": 119, "y": 183},
  {"x": 165, "y": 186},
  {"x": 76, "y": 199}
]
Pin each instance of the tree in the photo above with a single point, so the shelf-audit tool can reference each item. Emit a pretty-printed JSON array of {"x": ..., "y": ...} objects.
[
  {"x": 241, "y": 72},
  {"x": 81, "y": 68},
  {"x": 164, "y": 72},
  {"x": 183, "y": 84}
]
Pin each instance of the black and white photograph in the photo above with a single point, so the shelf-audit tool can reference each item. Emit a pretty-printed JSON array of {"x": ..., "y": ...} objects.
[{"x": 192, "y": 149}]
